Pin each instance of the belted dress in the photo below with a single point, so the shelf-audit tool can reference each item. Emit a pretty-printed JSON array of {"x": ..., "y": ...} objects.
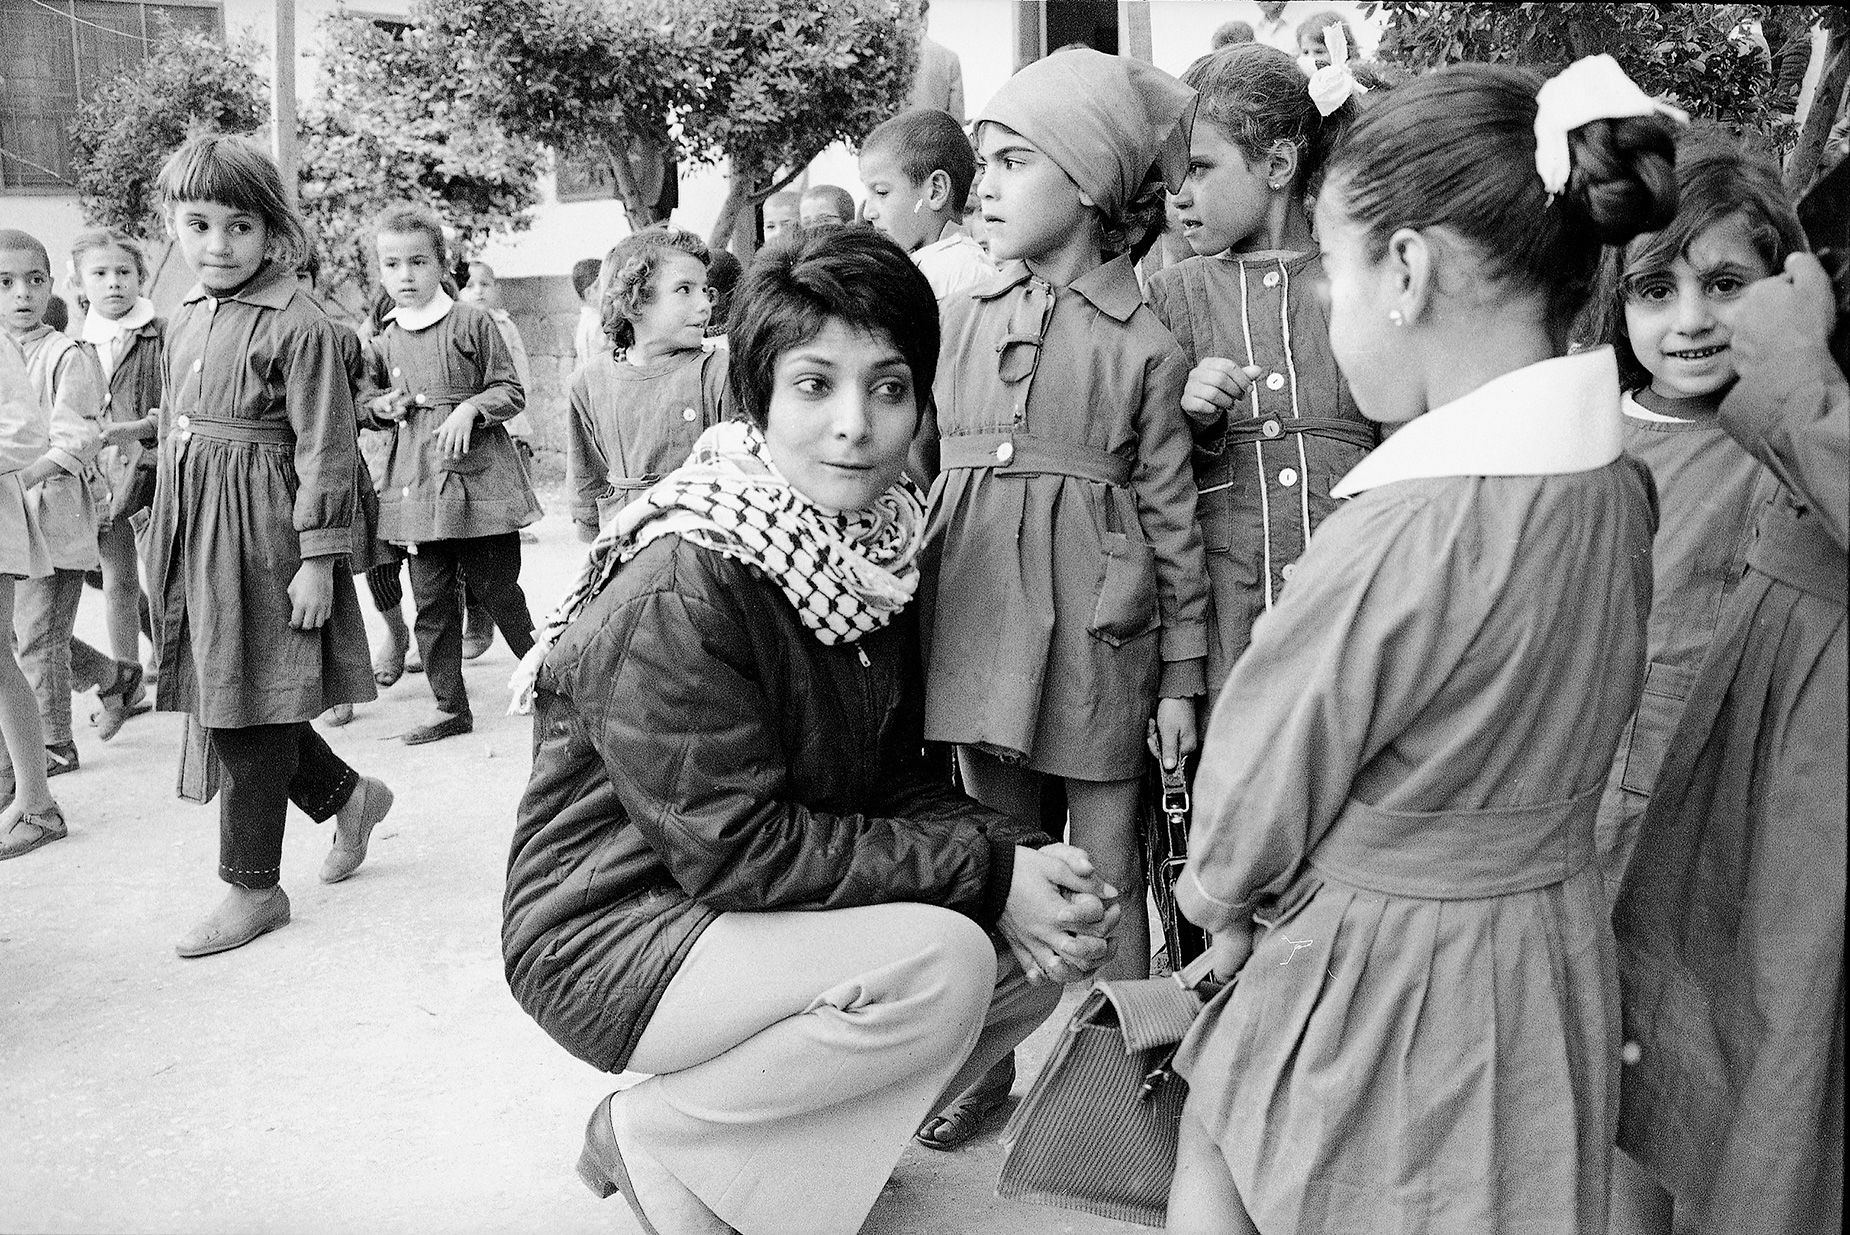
[
  {"x": 1399, "y": 785},
  {"x": 1731, "y": 920},
  {"x": 1069, "y": 589},
  {"x": 258, "y": 457},
  {"x": 1264, "y": 471}
]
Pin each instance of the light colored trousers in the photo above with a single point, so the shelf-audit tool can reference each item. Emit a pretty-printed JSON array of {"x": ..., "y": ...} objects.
[{"x": 795, "y": 1054}]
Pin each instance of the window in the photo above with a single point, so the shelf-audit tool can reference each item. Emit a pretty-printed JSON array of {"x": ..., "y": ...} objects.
[{"x": 53, "y": 54}]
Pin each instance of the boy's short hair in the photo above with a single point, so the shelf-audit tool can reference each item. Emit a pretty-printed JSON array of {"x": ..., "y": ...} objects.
[
  {"x": 12, "y": 240},
  {"x": 480, "y": 268},
  {"x": 585, "y": 273},
  {"x": 789, "y": 199},
  {"x": 630, "y": 269},
  {"x": 410, "y": 218},
  {"x": 925, "y": 140},
  {"x": 1230, "y": 32},
  {"x": 854, "y": 275},
  {"x": 837, "y": 197}
]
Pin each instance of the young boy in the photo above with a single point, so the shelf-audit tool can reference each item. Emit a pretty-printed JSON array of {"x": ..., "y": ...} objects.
[
  {"x": 70, "y": 392},
  {"x": 483, "y": 290},
  {"x": 917, "y": 169},
  {"x": 588, "y": 335},
  {"x": 782, "y": 216},
  {"x": 823, "y": 204}
]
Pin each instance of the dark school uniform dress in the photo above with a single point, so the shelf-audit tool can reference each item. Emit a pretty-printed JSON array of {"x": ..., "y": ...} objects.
[
  {"x": 1731, "y": 920},
  {"x": 1263, "y": 473},
  {"x": 1069, "y": 589},
  {"x": 633, "y": 424},
  {"x": 256, "y": 473},
  {"x": 1399, "y": 785},
  {"x": 427, "y": 495},
  {"x": 1707, "y": 488},
  {"x": 134, "y": 390}
]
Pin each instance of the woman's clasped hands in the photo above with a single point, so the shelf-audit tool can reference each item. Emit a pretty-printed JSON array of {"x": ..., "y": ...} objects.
[{"x": 1060, "y": 915}]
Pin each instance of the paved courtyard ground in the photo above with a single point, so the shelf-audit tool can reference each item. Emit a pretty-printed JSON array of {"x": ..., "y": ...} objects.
[{"x": 361, "y": 1070}]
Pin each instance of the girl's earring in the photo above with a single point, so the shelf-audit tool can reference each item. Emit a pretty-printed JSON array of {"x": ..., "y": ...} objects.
[{"x": 1396, "y": 317}]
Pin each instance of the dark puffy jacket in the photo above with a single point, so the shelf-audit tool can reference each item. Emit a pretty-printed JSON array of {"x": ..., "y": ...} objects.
[{"x": 697, "y": 751}]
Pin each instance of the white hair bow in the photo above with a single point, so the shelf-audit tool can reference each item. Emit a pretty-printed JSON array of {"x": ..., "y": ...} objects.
[
  {"x": 1595, "y": 88},
  {"x": 1333, "y": 85}
]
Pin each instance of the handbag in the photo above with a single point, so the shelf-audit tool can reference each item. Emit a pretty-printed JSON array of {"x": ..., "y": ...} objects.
[{"x": 1097, "y": 1131}]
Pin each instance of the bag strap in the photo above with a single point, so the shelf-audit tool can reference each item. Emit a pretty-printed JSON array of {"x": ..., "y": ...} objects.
[{"x": 1197, "y": 972}]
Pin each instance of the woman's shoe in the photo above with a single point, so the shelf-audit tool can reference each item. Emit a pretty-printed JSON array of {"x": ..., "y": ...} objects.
[
  {"x": 963, "y": 1117},
  {"x": 31, "y": 831},
  {"x": 353, "y": 828},
  {"x": 601, "y": 1164},
  {"x": 236, "y": 922}
]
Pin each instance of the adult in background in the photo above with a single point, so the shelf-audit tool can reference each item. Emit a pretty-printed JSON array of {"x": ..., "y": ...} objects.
[
  {"x": 733, "y": 867},
  {"x": 939, "y": 82}
]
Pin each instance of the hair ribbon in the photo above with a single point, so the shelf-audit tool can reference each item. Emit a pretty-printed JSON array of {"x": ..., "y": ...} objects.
[
  {"x": 1594, "y": 88},
  {"x": 1333, "y": 85}
]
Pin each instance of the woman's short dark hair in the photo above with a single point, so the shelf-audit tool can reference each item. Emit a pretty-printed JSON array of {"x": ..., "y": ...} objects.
[
  {"x": 629, "y": 273},
  {"x": 1717, "y": 179},
  {"x": 1456, "y": 149},
  {"x": 854, "y": 275}
]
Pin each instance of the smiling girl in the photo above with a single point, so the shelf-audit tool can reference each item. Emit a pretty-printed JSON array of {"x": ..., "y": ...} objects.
[
  {"x": 1673, "y": 313},
  {"x": 1273, "y": 421},
  {"x": 256, "y": 620}
]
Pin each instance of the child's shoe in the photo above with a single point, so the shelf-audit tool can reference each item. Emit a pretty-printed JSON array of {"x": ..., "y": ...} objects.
[
  {"x": 353, "y": 828},
  {"x": 240, "y": 918},
  {"x": 478, "y": 631},
  {"x": 120, "y": 701},
  {"x": 61, "y": 758},
  {"x": 30, "y": 832}
]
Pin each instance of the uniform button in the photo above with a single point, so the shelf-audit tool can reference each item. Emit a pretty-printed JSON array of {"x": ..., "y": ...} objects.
[
  {"x": 1275, "y": 381},
  {"x": 1271, "y": 278},
  {"x": 395, "y": 372},
  {"x": 180, "y": 422},
  {"x": 1287, "y": 570},
  {"x": 422, "y": 400},
  {"x": 198, "y": 365},
  {"x": 687, "y": 413},
  {"x": 1004, "y": 453},
  {"x": 1630, "y": 1053},
  {"x": 406, "y": 491},
  {"x": 1288, "y": 477},
  {"x": 1271, "y": 428}
]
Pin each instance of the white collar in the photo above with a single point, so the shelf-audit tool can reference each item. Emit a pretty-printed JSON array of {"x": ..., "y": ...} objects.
[
  {"x": 99, "y": 330},
  {"x": 1544, "y": 419},
  {"x": 433, "y": 311}
]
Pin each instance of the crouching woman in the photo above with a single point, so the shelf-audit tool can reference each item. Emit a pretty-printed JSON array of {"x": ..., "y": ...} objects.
[{"x": 732, "y": 868}]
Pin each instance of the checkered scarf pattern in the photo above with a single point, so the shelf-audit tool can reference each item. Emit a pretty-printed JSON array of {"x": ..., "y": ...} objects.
[{"x": 845, "y": 572}]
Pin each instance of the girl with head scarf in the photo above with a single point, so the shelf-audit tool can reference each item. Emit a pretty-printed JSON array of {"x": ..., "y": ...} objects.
[{"x": 1070, "y": 594}]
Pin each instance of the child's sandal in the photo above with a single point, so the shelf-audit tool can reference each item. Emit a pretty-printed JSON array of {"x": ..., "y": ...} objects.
[{"x": 31, "y": 831}]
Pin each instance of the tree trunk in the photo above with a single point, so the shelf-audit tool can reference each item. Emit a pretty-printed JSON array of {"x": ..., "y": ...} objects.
[
  {"x": 1827, "y": 99},
  {"x": 640, "y": 213},
  {"x": 737, "y": 225}
]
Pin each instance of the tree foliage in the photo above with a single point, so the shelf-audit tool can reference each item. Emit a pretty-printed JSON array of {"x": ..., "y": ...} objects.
[
  {"x": 1698, "y": 56},
  {"x": 765, "y": 85},
  {"x": 388, "y": 125},
  {"x": 188, "y": 83}
]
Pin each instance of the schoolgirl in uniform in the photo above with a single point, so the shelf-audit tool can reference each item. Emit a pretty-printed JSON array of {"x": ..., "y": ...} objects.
[
  {"x": 456, "y": 493},
  {"x": 638, "y": 407},
  {"x": 1393, "y": 846},
  {"x": 1070, "y": 605},
  {"x": 257, "y": 621},
  {"x": 129, "y": 342},
  {"x": 1674, "y": 301},
  {"x": 1274, "y": 424}
]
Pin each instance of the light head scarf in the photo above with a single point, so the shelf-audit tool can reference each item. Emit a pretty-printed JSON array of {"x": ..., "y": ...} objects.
[{"x": 1105, "y": 120}]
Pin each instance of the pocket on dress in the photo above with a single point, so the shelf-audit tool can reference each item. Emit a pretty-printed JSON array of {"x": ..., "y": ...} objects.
[
  {"x": 1126, "y": 606},
  {"x": 1660, "y": 707}
]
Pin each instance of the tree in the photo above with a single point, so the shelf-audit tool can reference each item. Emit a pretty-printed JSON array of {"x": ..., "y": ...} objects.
[
  {"x": 1698, "y": 56},
  {"x": 783, "y": 79},
  {"x": 587, "y": 78},
  {"x": 388, "y": 125},
  {"x": 188, "y": 83}
]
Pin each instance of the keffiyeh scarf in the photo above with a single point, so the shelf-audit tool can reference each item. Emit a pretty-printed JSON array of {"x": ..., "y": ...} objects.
[{"x": 846, "y": 572}]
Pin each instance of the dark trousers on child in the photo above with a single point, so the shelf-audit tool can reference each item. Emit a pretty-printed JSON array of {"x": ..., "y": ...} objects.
[
  {"x": 266, "y": 768},
  {"x": 492, "y": 564}
]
